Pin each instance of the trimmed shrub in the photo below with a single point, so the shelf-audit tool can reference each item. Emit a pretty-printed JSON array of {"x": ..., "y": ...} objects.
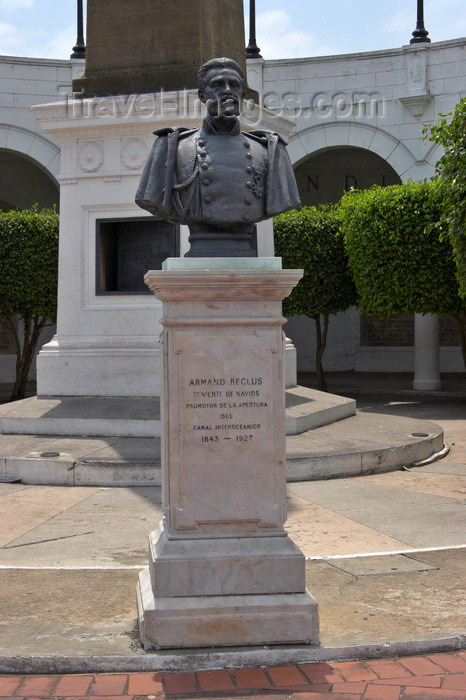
[
  {"x": 399, "y": 262},
  {"x": 28, "y": 282},
  {"x": 310, "y": 239},
  {"x": 452, "y": 171}
]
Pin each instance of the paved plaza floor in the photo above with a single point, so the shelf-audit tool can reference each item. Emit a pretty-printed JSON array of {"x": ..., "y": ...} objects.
[{"x": 385, "y": 561}]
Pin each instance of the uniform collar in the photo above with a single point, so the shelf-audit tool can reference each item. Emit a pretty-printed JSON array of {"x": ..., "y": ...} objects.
[{"x": 208, "y": 127}]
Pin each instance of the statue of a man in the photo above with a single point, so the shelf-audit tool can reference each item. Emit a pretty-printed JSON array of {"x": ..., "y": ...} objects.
[{"x": 217, "y": 179}]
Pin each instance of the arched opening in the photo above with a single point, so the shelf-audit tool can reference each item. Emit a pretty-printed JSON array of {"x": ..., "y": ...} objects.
[
  {"x": 23, "y": 183},
  {"x": 322, "y": 178}
]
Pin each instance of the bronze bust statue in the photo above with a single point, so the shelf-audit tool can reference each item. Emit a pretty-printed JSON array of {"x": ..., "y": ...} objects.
[{"x": 217, "y": 179}]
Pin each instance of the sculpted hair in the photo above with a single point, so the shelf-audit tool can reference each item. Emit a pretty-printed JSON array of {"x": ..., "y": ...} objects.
[{"x": 219, "y": 63}]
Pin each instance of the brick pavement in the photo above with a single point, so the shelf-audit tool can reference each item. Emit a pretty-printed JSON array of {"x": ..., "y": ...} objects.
[{"x": 429, "y": 677}]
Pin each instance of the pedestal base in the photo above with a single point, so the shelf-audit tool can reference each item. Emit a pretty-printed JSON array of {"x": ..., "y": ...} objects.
[
  {"x": 222, "y": 570},
  {"x": 224, "y": 566},
  {"x": 233, "y": 620}
]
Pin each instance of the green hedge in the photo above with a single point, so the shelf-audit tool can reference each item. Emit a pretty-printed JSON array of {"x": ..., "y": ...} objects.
[
  {"x": 398, "y": 261},
  {"x": 28, "y": 281},
  {"x": 310, "y": 239},
  {"x": 29, "y": 263},
  {"x": 451, "y": 168}
]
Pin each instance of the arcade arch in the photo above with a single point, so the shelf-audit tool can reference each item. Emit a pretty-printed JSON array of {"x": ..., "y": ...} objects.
[
  {"x": 329, "y": 159},
  {"x": 396, "y": 154},
  {"x": 29, "y": 167},
  {"x": 23, "y": 183},
  {"x": 323, "y": 177}
]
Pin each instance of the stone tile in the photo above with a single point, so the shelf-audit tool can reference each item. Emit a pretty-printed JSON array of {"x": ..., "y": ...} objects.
[
  {"x": 9, "y": 684},
  {"x": 387, "y": 668},
  {"x": 420, "y": 693},
  {"x": 30, "y": 507},
  {"x": 319, "y": 531},
  {"x": 37, "y": 686},
  {"x": 421, "y": 681},
  {"x": 354, "y": 671},
  {"x": 109, "y": 684},
  {"x": 434, "y": 484},
  {"x": 453, "y": 663},
  {"x": 286, "y": 676},
  {"x": 250, "y": 678},
  {"x": 349, "y": 687},
  {"x": 144, "y": 683},
  {"x": 73, "y": 686},
  {"x": 389, "y": 511},
  {"x": 214, "y": 681},
  {"x": 420, "y": 665},
  {"x": 320, "y": 673},
  {"x": 457, "y": 681},
  {"x": 377, "y": 692},
  {"x": 180, "y": 683}
]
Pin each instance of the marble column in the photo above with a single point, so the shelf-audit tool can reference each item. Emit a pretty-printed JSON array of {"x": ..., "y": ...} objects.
[{"x": 222, "y": 570}]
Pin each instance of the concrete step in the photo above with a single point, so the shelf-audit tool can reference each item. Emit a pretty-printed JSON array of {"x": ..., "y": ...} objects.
[
  {"x": 140, "y": 416},
  {"x": 307, "y": 409},
  {"x": 109, "y": 416},
  {"x": 361, "y": 444}
]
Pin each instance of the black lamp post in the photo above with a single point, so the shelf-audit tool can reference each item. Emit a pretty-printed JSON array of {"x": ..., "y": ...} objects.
[
  {"x": 252, "y": 50},
  {"x": 79, "y": 51},
  {"x": 420, "y": 33}
]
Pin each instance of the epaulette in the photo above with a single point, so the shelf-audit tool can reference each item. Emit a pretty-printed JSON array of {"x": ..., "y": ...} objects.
[
  {"x": 168, "y": 130},
  {"x": 264, "y": 134}
]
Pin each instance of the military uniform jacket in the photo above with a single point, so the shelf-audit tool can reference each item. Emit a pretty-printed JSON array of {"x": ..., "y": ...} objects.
[{"x": 195, "y": 176}]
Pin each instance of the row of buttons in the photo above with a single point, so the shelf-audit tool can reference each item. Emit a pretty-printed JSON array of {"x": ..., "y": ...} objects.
[{"x": 207, "y": 181}]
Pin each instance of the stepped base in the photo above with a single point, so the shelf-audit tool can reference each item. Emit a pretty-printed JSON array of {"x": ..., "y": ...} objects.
[
  {"x": 224, "y": 566},
  {"x": 122, "y": 416},
  {"x": 238, "y": 620}
]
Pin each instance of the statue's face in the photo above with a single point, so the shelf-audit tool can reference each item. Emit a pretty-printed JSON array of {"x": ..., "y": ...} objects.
[{"x": 222, "y": 92}]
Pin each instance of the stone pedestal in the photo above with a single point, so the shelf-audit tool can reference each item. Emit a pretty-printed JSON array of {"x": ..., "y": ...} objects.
[{"x": 222, "y": 568}]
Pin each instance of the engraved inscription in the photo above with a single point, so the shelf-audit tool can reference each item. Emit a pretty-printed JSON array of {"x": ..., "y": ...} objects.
[
  {"x": 228, "y": 389},
  {"x": 229, "y": 416}
]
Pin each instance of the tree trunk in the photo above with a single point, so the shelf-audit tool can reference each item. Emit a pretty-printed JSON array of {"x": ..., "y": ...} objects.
[
  {"x": 321, "y": 342},
  {"x": 24, "y": 356},
  {"x": 462, "y": 327}
]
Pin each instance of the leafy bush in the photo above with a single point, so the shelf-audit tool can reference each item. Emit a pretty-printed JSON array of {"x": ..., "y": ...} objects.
[
  {"x": 310, "y": 239},
  {"x": 399, "y": 262},
  {"x": 28, "y": 282},
  {"x": 452, "y": 170}
]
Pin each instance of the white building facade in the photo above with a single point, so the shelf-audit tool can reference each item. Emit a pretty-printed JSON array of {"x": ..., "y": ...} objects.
[
  {"x": 29, "y": 159},
  {"x": 358, "y": 122},
  {"x": 353, "y": 120}
]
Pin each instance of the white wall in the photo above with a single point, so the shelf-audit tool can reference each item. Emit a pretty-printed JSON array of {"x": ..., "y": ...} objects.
[{"x": 376, "y": 101}]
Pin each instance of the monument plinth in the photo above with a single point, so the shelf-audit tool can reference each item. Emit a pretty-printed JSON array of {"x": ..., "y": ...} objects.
[
  {"x": 107, "y": 329},
  {"x": 222, "y": 569},
  {"x": 146, "y": 46}
]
